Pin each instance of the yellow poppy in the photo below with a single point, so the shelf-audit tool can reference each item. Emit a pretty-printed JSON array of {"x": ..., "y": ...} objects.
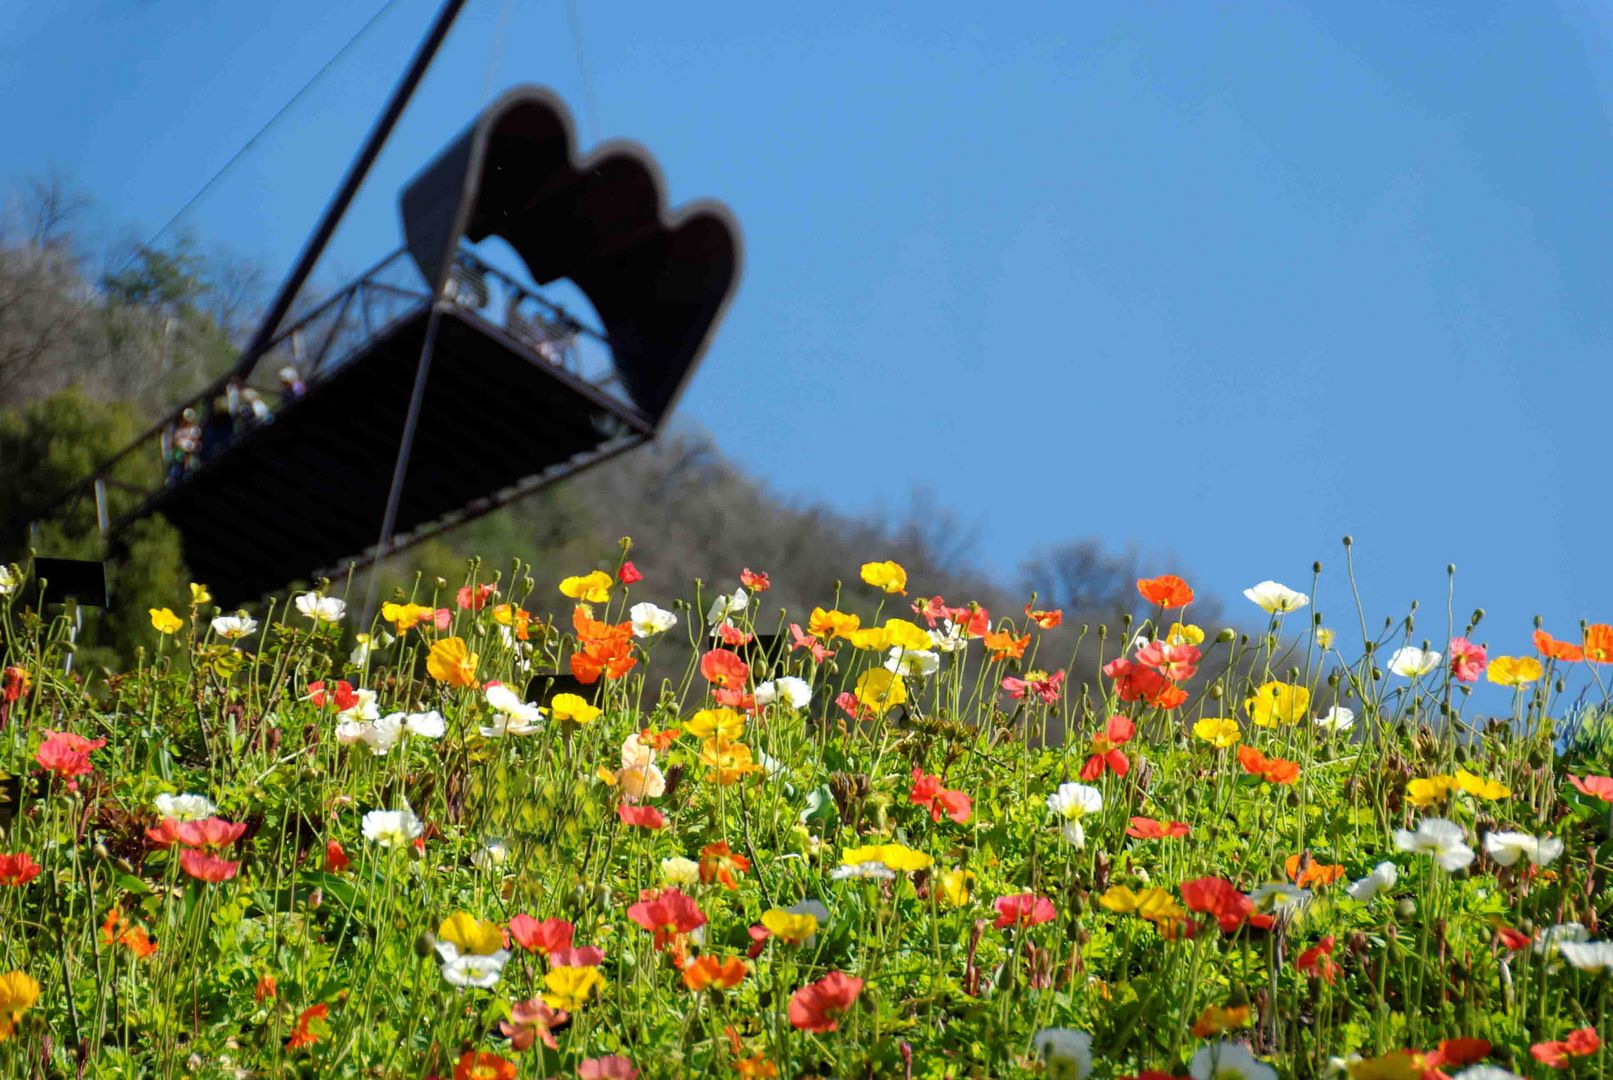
[
  {"x": 1514, "y": 670},
  {"x": 452, "y": 662},
  {"x": 574, "y": 708},
  {"x": 722, "y": 724},
  {"x": 880, "y": 690},
  {"x": 199, "y": 594},
  {"x": 953, "y": 886},
  {"x": 1278, "y": 703},
  {"x": 792, "y": 927},
  {"x": 886, "y": 575},
  {"x": 591, "y": 588},
  {"x": 165, "y": 621},
  {"x": 569, "y": 988},
  {"x": 470, "y": 934},
  {"x": 18, "y": 992},
  {"x": 1430, "y": 790},
  {"x": 832, "y": 624},
  {"x": 1481, "y": 787},
  {"x": 1218, "y": 731}
]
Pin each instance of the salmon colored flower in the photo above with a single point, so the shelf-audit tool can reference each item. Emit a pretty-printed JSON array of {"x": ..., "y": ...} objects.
[
  {"x": 1468, "y": 660},
  {"x": 723, "y": 668},
  {"x": 1557, "y": 1054},
  {"x": 886, "y": 575},
  {"x": 1003, "y": 645},
  {"x": 310, "y": 1027},
  {"x": 1046, "y": 687},
  {"x": 643, "y": 817},
  {"x": 706, "y": 972},
  {"x": 609, "y": 1067},
  {"x": 483, "y": 1065},
  {"x": 1317, "y": 961},
  {"x": 1178, "y": 663},
  {"x": 547, "y": 936},
  {"x": 1597, "y": 787},
  {"x": 1023, "y": 910},
  {"x": 755, "y": 580},
  {"x": 667, "y": 915},
  {"x": 1552, "y": 649},
  {"x": 14, "y": 683},
  {"x": 1146, "y": 828},
  {"x": 1599, "y": 643},
  {"x": 1106, "y": 752},
  {"x": 819, "y": 1006},
  {"x": 18, "y": 869},
  {"x": 67, "y": 755},
  {"x": 1166, "y": 591},
  {"x": 801, "y": 640},
  {"x": 1135, "y": 682},
  {"x": 451, "y": 661},
  {"x": 1273, "y": 770},
  {"x": 940, "y": 801},
  {"x": 530, "y": 1021},
  {"x": 719, "y": 864},
  {"x": 132, "y": 936},
  {"x": 208, "y": 868},
  {"x": 474, "y": 598},
  {"x": 1219, "y": 898}
]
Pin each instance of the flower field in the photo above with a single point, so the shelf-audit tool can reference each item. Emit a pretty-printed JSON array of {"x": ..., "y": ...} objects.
[{"x": 893, "y": 836}]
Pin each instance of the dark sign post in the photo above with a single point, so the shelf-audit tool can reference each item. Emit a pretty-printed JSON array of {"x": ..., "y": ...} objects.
[{"x": 80, "y": 582}]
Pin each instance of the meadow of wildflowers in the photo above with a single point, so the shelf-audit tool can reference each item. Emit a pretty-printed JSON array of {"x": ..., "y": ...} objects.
[{"x": 888, "y": 837}]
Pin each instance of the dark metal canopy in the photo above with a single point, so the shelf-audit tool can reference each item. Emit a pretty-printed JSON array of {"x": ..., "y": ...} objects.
[{"x": 659, "y": 279}]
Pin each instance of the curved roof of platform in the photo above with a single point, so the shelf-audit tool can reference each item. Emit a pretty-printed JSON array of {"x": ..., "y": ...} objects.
[{"x": 659, "y": 278}]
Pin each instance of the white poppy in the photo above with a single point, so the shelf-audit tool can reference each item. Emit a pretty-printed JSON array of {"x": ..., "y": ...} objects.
[
  {"x": 1382, "y": 879},
  {"x": 877, "y": 870},
  {"x": 493, "y": 852},
  {"x": 792, "y": 691},
  {"x": 185, "y": 807},
  {"x": 9, "y": 581},
  {"x": 649, "y": 620},
  {"x": 234, "y": 627},
  {"x": 1228, "y": 1061},
  {"x": 1337, "y": 719},
  {"x": 1276, "y": 599},
  {"x": 392, "y": 828},
  {"x": 635, "y": 755},
  {"x": 1070, "y": 803},
  {"x": 364, "y": 708},
  {"x": 1412, "y": 662},
  {"x": 1552, "y": 938},
  {"x": 914, "y": 663},
  {"x": 1592, "y": 956},
  {"x": 679, "y": 871},
  {"x": 325, "y": 609},
  {"x": 1066, "y": 1053},
  {"x": 724, "y": 606},
  {"x": 1277, "y": 895},
  {"x": 352, "y": 732},
  {"x": 361, "y": 652},
  {"x": 427, "y": 725},
  {"x": 384, "y": 734},
  {"x": 1437, "y": 837},
  {"x": 481, "y": 972},
  {"x": 511, "y": 715},
  {"x": 950, "y": 638},
  {"x": 1507, "y": 848},
  {"x": 1486, "y": 1072}
]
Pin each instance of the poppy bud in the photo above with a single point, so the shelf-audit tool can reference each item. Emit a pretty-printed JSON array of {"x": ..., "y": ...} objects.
[
  {"x": 1348, "y": 540},
  {"x": 1215, "y": 692},
  {"x": 425, "y": 944},
  {"x": 1406, "y": 909},
  {"x": 1316, "y": 567}
]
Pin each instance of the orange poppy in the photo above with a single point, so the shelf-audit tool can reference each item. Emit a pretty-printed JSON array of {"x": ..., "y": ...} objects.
[
  {"x": 1272, "y": 770},
  {"x": 483, "y": 1066},
  {"x": 1003, "y": 645},
  {"x": 707, "y": 972},
  {"x": 1551, "y": 648},
  {"x": 1166, "y": 591},
  {"x": 1599, "y": 643},
  {"x": 1315, "y": 873}
]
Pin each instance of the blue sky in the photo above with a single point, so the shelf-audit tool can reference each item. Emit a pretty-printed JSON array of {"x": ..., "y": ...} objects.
[{"x": 1225, "y": 282}]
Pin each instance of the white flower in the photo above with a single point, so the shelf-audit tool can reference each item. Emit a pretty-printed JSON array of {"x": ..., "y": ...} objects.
[
  {"x": 649, "y": 620},
  {"x": 1592, "y": 956},
  {"x": 234, "y": 627},
  {"x": 641, "y": 782},
  {"x": 1382, "y": 879},
  {"x": 635, "y": 755},
  {"x": 361, "y": 652},
  {"x": 1066, "y": 1053},
  {"x": 950, "y": 638},
  {"x": 512, "y": 716},
  {"x": 481, "y": 972},
  {"x": 913, "y": 663},
  {"x": 1412, "y": 662},
  {"x": 1507, "y": 848},
  {"x": 1486, "y": 1072},
  {"x": 862, "y": 870},
  {"x": 325, "y": 609},
  {"x": 1336, "y": 719},
  {"x": 392, "y": 828},
  {"x": 1276, "y": 895},
  {"x": 812, "y": 908},
  {"x": 792, "y": 691},
  {"x": 1437, "y": 837},
  {"x": 492, "y": 853},
  {"x": 1553, "y": 937},
  {"x": 185, "y": 807},
  {"x": 724, "y": 606},
  {"x": 384, "y": 734},
  {"x": 9, "y": 581},
  {"x": 365, "y": 708},
  {"x": 427, "y": 725},
  {"x": 351, "y": 732},
  {"x": 1276, "y": 599},
  {"x": 1070, "y": 803},
  {"x": 1228, "y": 1061},
  {"x": 681, "y": 872}
]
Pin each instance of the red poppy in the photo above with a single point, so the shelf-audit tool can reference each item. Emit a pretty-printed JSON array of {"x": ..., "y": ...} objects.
[
  {"x": 1552, "y": 649},
  {"x": 544, "y": 937},
  {"x": 342, "y": 694},
  {"x": 1272, "y": 770},
  {"x": 205, "y": 867},
  {"x": 1219, "y": 898},
  {"x": 1177, "y": 663},
  {"x": 1047, "y": 620},
  {"x": 667, "y": 914},
  {"x": 928, "y": 792},
  {"x": 1459, "y": 1051},
  {"x": 1134, "y": 682},
  {"x": 933, "y": 609},
  {"x": 266, "y": 988},
  {"x": 1317, "y": 961},
  {"x": 818, "y": 1006},
  {"x": 1598, "y": 787},
  {"x": 18, "y": 869},
  {"x": 644, "y": 817},
  {"x": 1513, "y": 939},
  {"x": 1106, "y": 752},
  {"x": 212, "y": 832},
  {"x": 755, "y": 580},
  {"x": 483, "y": 1065},
  {"x": 13, "y": 683},
  {"x": 1146, "y": 828},
  {"x": 474, "y": 599},
  {"x": 723, "y": 668},
  {"x": 629, "y": 574},
  {"x": 305, "y": 1034},
  {"x": 1023, "y": 910},
  {"x": 719, "y": 864},
  {"x": 1166, "y": 591},
  {"x": 67, "y": 755},
  {"x": 336, "y": 859},
  {"x": 577, "y": 956}
]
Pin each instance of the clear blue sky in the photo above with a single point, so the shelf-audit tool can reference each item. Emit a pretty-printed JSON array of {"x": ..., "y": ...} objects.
[{"x": 1225, "y": 281}]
